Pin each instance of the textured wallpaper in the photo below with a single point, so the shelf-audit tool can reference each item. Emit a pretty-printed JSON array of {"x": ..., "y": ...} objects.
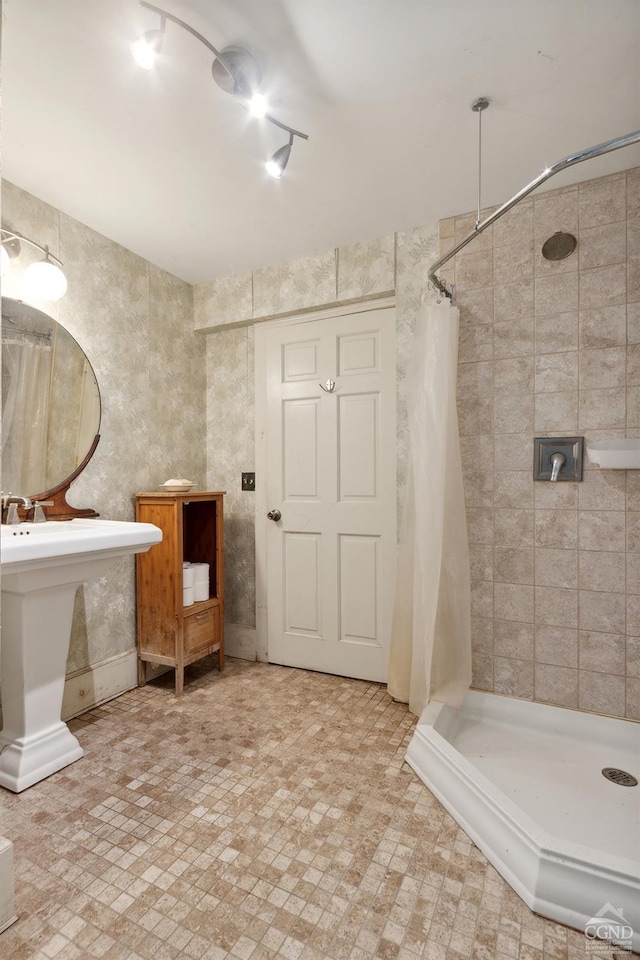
[
  {"x": 366, "y": 270},
  {"x": 545, "y": 348},
  {"x": 135, "y": 323}
]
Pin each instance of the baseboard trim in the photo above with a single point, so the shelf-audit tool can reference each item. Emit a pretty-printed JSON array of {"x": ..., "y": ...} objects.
[
  {"x": 8, "y": 913},
  {"x": 107, "y": 679},
  {"x": 98, "y": 683}
]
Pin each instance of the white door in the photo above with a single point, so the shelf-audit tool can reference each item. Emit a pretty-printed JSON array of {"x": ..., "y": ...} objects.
[{"x": 331, "y": 475}]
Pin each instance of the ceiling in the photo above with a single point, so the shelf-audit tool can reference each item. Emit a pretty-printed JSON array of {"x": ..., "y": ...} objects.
[{"x": 168, "y": 165}]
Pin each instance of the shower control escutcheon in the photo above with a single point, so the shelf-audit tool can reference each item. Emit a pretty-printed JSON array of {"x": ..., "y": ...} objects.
[
  {"x": 274, "y": 515},
  {"x": 558, "y": 458}
]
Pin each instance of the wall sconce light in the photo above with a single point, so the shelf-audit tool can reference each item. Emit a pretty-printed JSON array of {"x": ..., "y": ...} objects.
[
  {"x": 44, "y": 278},
  {"x": 235, "y": 71}
]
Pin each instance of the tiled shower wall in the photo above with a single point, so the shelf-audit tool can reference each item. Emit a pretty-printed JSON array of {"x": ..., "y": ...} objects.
[{"x": 553, "y": 349}]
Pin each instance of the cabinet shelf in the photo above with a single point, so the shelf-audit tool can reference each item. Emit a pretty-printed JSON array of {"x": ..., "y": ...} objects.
[{"x": 169, "y": 633}]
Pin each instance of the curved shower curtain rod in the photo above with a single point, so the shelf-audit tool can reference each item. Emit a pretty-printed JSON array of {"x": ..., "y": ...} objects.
[{"x": 587, "y": 154}]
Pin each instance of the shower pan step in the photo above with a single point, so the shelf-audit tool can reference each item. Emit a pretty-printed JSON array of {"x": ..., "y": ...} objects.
[{"x": 524, "y": 780}]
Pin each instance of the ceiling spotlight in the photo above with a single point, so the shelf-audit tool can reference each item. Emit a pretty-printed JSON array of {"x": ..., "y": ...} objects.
[
  {"x": 235, "y": 71},
  {"x": 258, "y": 106},
  {"x": 276, "y": 165},
  {"x": 44, "y": 278},
  {"x": 146, "y": 48}
]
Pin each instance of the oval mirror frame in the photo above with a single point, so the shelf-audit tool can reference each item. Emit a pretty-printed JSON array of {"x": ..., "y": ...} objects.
[{"x": 18, "y": 312}]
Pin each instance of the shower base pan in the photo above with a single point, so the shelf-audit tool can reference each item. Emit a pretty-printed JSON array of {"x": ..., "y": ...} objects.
[{"x": 524, "y": 780}]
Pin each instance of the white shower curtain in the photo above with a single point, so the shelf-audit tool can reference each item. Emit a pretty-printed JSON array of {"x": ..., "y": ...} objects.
[
  {"x": 26, "y": 382},
  {"x": 431, "y": 635}
]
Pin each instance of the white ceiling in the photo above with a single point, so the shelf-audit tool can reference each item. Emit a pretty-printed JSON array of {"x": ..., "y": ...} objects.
[{"x": 171, "y": 167}]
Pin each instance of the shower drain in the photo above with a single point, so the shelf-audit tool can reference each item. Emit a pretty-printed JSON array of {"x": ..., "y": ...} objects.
[{"x": 621, "y": 777}]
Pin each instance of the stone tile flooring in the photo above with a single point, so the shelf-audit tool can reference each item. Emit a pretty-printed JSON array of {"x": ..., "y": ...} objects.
[{"x": 267, "y": 813}]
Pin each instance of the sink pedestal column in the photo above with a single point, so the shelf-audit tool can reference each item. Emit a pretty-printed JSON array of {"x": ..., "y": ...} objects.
[
  {"x": 43, "y": 564},
  {"x": 37, "y": 612},
  {"x": 36, "y": 630}
]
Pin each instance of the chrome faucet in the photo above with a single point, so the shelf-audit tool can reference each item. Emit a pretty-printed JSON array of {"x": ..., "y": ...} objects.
[
  {"x": 558, "y": 460},
  {"x": 12, "y": 503},
  {"x": 25, "y": 501}
]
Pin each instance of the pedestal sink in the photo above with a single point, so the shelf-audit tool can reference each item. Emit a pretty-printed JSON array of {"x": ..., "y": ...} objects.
[{"x": 42, "y": 566}]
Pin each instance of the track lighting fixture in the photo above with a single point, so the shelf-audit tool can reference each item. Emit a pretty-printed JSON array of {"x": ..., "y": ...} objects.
[
  {"x": 275, "y": 166},
  {"x": 44, "y": 278},
  {"x": 258, "y": 106},
  {"x": 147, "y": 47},
  {"x": 234, "y": 70}
]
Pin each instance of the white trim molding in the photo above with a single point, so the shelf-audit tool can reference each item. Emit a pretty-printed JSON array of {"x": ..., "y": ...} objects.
[
  {"x": 99, "y": 682},
  {"x": 8, "y": 913}
]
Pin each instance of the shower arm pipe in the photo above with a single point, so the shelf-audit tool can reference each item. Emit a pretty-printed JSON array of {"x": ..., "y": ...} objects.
[
  {"x": 587, "y": 154},
  {"x": 218, "y": 55}
]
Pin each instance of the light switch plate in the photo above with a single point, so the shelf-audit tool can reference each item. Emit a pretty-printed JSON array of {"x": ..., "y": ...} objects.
[{"x": 248, "y": 481}]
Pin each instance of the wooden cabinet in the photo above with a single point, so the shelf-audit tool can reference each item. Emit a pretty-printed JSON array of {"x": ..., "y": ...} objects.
[{"x": 168, "y": 632}]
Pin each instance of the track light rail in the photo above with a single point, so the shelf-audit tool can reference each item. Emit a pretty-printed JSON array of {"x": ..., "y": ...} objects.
[
  {"x": 193, "y": 32},
  {"x": 238, "y": 80}
]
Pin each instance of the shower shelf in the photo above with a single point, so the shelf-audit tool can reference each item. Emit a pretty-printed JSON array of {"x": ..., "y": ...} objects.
[{"x": 615, "y": 454}]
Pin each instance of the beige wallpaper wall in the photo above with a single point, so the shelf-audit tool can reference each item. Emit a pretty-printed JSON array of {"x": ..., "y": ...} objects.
[
  {"x": 544, "y": 349},
  {"x": 553, "y": 349},
  {"x": 228, "y": 309},
  {"x": 135, "y": 323}
]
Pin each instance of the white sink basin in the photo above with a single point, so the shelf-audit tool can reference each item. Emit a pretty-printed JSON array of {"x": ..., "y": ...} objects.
[
  {"x": 51, "y": 526},
  {"x": 31, "y": 545},
  {"x": 42, "y": 566}
]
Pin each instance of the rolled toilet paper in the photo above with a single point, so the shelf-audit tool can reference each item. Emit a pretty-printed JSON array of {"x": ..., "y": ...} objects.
[
  {"x": 201, "y": 590},
  {"x": 201, "y": 571},
  {"x": 188, "y": 596},
  {"x": 188, "y": 576}
]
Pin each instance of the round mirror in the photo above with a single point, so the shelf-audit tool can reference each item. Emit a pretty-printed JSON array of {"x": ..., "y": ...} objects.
[{"x": 50, "y": 407}]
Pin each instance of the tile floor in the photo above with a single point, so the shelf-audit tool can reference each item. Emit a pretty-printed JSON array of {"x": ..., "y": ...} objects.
[{"x": 268, "y": 813}]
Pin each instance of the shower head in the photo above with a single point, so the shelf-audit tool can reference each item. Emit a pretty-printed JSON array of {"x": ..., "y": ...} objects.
[{"x": 559, "y": 246}]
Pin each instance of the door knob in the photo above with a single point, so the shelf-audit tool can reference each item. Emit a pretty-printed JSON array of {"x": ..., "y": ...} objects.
[{"x": 274, "y": 515}]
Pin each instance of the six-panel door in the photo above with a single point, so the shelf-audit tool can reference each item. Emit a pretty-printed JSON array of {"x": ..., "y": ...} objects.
[{"x": 330, "y": 455}]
